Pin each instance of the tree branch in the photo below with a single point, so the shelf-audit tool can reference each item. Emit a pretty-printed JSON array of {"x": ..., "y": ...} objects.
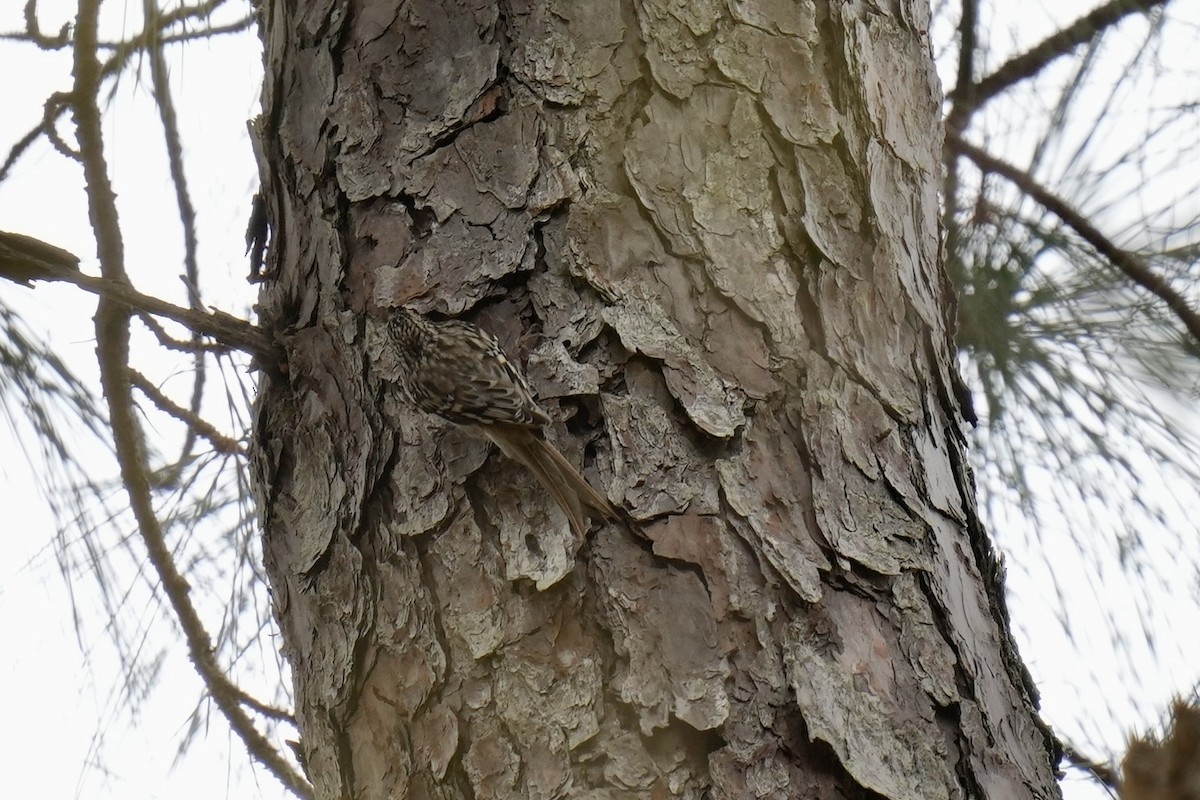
[
  {"x": 194, "y": 422},
  {"x": 165, "y": 104},
  {"x": 170, "y": 343},
  {"x": 1130, "y": 264},
  {"x": 225, "y": 328}
]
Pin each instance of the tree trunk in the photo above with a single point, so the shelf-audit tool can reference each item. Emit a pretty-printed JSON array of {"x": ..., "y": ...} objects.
[{"x": 709, "y": 232}]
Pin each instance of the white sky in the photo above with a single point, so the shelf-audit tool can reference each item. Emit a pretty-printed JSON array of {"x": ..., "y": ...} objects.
[
  {"x": 67, "y": 692},
  {"x": 78, "y": 735}
]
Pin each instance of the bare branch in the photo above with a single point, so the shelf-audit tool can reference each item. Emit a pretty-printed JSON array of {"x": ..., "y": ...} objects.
[
  {"x": 171, "y": 343},
  {"x": 24, "y": 258},
  {"x": 33, "y": 31},
  {"x": 237, "y": 26},
  {"x": 54, "y": 107},
  {"x": 220, "y": 442},
  {"x": 183, "y": 199},
  {"x": 968, "y": 43},
  {"x": 219, "y": 325},
  {"x": 258, "y": 706}
]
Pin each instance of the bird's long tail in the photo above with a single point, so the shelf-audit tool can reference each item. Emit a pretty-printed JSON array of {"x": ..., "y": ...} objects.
[{"x": 574, "y": 495}]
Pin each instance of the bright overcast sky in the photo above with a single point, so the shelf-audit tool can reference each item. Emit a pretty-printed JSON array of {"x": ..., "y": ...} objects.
[{"x": 69, "y": 728}]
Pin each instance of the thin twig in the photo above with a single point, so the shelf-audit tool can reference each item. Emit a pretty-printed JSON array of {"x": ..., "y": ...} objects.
[
  {"x": 267, "y": 710},
  {"x": 33, "y": 31},
  {"x": 171, "y": 343},
  {"x": 1133, "y": 266},
  {"x": 165, "y": 104},
  {"x": 200, "y": 426},
  {"x": 237, "y": 26},
  {"x": 53, "y": 109}
]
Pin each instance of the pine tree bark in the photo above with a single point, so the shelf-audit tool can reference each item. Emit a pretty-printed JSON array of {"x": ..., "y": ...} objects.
[{"x": 710, "y": 232}]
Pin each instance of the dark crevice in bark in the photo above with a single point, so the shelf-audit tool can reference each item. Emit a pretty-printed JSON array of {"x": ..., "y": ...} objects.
[
  {"x": 480, "y": 502},
  {"x": 418, "y": 547},
  {"x": 378, "y": 500},
  {"x": 345, "y": 753},
  {"x": 832, "y": 41},
  {"x": 422, "y": 220},
  {"x": 806, "y": 259},
  {"x": 449, "y": 136}
]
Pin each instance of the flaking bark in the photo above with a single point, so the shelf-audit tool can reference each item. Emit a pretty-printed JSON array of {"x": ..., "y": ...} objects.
[{"x": 710, "y": 231}]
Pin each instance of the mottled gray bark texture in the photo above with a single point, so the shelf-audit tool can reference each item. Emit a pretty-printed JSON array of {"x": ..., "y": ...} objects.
[{"x": 709, "y": 231}]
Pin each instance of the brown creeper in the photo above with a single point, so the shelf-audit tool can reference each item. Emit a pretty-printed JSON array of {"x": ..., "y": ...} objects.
[{"x": 459, "y": 372}]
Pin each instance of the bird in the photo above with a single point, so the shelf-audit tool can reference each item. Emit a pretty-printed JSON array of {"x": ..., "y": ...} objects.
[{"x": 460, "y": 372}]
